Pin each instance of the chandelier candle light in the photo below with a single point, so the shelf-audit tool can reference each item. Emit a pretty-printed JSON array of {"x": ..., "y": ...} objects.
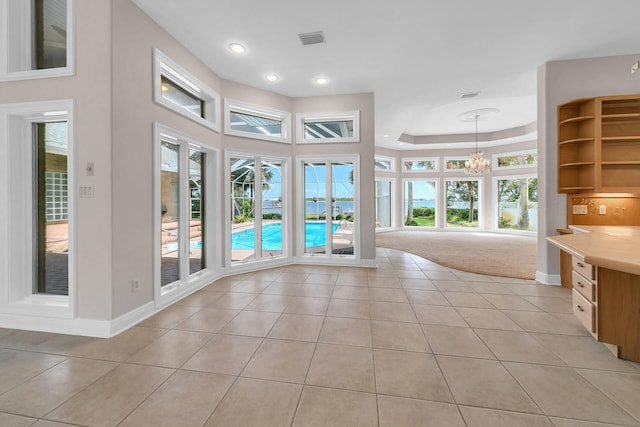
[{"x": 477, "y": 164}]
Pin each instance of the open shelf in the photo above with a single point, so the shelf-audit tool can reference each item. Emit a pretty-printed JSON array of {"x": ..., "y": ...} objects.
[
  {"x": 620, "y": 116},
  {"x": 576, "y": 141},
  {"x": 575, "y": 164},
  {"x": 621, "y": 138},
  {"x": 575, "y": 189},
  {"x": 575, "y": 120},
  {"x": 621, "y": 163}
]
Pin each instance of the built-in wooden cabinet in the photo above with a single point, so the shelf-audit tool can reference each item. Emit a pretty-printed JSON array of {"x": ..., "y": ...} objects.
[{"x": 599, "y": 145}]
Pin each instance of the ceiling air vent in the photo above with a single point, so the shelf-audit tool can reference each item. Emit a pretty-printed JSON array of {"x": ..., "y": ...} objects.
[
  {"x": 312, "y": 38},
  {"x": 469, "y": 95}
]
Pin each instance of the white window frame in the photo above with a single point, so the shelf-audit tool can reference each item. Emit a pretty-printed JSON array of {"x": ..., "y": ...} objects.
[
  {"x": 447, "y": 158},
  {"x": 436, "y": 207},
  {"x": 21, "y": 10},
  {"x": 436, "y": 160},
  {"x": 287, "y": 235},
  {"x": 166, "y": 295},
  {"x": 512, "y": 154},
  {"x": 495, "y": 202},
  {"x": 16, "y": 239},
  {"x": 304, "y": 118},
  {"x": 391, "y": 160},
  {"x": 164, "y": 66},
  {"x": 479, "y": 202},
  {"x": 255, "y": 110},
  {"x": 300, "y": 205},
  {"x": 392, "y": 181}
]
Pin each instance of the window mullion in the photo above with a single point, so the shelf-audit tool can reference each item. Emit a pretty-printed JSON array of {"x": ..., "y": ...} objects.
[
  {"x": 329, "y": 209},
  {"x": 257, "y": 210},
  {"x": 185, "y": 214}
]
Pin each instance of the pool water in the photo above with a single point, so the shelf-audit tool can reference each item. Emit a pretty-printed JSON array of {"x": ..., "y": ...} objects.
[
  {"x": 271, "y": 237},
  {"x": 315, "y": 233}
]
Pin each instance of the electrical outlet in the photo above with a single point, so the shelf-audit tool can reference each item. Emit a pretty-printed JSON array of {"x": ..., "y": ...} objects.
[
  {"x": 602, "y": 209},
  {"x": 135, "y": 285},
  {"x": 579, "y": 209}
]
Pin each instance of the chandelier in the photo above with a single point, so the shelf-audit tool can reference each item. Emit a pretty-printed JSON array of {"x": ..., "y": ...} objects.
[{"x": 477, "y": 164}]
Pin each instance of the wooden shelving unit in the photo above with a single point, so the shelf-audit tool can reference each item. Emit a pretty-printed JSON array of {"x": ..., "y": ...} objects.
[{"x": 599, "y": 145}]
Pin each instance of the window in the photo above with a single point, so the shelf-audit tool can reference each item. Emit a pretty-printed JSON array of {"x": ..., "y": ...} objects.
[
  {"x": 37, "y": 224},
  {"x": 420, "y": 165},
  {"x": 518, "y": 203},
  {"x": 39, "y": 39},
  {"x": 184, "y": 195},
  {"x": 251, "y": 121},
  {"x": 525, "y": 159},
  {"x": 258, "y": 203},
  {"x": 383, "y": 204},
  {"x": 463, "y": 202},
  {"x": 454, "y": 164},
  {"x": 420, "y": 203},
  {"x": 178, "y": 90},
  {"x": 328, "y": 127},
  {"x": 330, "y": 209},
  {"x": 385, "y": 164}
]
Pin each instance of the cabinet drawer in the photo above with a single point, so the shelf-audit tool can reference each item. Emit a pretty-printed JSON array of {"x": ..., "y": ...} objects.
[
  {"x": 587, "y": 270},
  {"x": 584, "y": 286},
  {"x": 584, "y": 311}
]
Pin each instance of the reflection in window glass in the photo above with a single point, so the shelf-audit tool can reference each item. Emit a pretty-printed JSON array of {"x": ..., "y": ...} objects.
[
  {"x": 328, "y": 129},
  {"x": 454, "y": 164},
  {"x": 420, "y": 203},
  {"x": 242, "y": 209},
  {"x": 462, "y": 203},
  {"x": 518, "y": 160},
  {"x": 518, "y": 204},
  {"x": 50, "y": 33},
  {"x": 51, "y": 216},
  {"x": 196, "y": 221},
  {"x": 272, "y": 208},
  {"x": 425, "y": 165},
  {"x": 383, "y": 204},
  {"x": 342, "y": 207},
  {"x": 169, "y": 213},
  {"x": 383, "y": 164},
  {"x": 315, "y": 207},
  {"x": 244, "y": 122},
  {"x": 181, "y": 97}
]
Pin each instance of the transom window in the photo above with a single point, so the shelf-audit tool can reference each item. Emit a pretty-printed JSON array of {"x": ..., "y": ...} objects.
[
  {"x": 420, "y": 165},
  {"x": 38, "y": 39},
  {"x": 525, "y": 159},
  {"x": 454, "y": 163},
  {"x": 384, "y": 164},
  {"x": 180, "y": 91},
  {"x": 252, "y": 121},
  {"x": 328, "y": 127}
]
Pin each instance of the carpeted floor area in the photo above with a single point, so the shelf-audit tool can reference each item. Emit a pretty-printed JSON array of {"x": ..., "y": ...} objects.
[{"x": 485, "y": 253}]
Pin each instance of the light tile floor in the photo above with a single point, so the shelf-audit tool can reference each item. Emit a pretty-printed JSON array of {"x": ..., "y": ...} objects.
[{"x": 410, "y": 343}]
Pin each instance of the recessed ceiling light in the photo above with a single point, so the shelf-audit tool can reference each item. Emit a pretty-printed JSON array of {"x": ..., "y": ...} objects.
[
  {"x": 237, "y": 48},
  {"x": 271, "y": 77},
  {"x": 321, "y": 81}
]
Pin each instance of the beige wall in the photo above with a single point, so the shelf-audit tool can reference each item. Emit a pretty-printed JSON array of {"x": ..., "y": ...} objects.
[
  {"x": 560, "y": 82},
  {"x": 91, "y": 89},
  {"x": 134, "y": 112}
]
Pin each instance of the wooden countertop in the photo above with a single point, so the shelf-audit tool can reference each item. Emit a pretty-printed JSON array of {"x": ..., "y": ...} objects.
[{"x": 612, "y": 247}]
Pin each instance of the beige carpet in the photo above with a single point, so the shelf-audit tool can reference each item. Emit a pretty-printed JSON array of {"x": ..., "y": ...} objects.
[{"x": 486, "y": 253}]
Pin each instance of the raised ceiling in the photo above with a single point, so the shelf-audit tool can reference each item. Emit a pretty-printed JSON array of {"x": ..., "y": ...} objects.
[{"x": 417, "y": 56}]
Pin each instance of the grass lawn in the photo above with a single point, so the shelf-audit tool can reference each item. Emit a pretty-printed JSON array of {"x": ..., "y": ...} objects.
[{"x": 423, "y": 222}]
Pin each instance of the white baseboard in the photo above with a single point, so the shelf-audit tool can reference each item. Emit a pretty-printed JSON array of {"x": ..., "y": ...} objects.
[
  {"x": 548, "y": 279},
  {"x": 77, "y": 326}
]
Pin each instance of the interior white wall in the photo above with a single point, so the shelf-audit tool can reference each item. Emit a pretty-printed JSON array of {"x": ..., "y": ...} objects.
[{"x": 560, "y": 82}]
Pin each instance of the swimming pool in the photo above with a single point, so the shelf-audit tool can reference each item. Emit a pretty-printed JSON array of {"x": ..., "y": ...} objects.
[
  {"x": 271, "y": 237},
  {"x": 315, "y": 233}
]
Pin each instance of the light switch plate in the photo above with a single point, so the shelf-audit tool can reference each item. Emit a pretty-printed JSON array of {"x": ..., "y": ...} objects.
[{"x": 602, "y": 209}]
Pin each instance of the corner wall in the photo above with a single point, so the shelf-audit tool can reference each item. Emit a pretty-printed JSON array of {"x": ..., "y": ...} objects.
[{"x": 560, "y": 82}]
